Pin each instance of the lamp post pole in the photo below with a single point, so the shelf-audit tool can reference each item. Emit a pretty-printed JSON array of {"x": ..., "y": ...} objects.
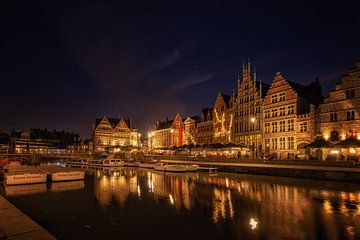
[
  {"x": 253, "y": 120},
  {"x": 172, "y": 137}
]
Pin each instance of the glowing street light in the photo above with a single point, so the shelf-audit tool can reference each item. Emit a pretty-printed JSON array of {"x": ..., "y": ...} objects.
[{"x": 253, "y": 119}]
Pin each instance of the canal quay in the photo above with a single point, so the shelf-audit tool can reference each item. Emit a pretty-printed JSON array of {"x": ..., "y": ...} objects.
[{"x": 137, "y": 203}]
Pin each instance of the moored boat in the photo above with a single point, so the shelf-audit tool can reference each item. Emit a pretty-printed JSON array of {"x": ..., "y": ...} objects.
[
  {"x": 113, "y": 163},
  {"x": 77, "y": 161},
  {"x": 176, "y": 167},
  {"x": 62, "y": 174},
  {"x": 24, "y": 177},
  {"x": 147, "y": 165},
  {"x": 132, "y": 164}
]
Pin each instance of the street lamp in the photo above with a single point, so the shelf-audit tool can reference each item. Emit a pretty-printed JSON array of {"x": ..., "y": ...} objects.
[
  {"x": 149, "y": 140},
  {"x": 172, "y": 137},
  {"x": 253, "y": 120}
]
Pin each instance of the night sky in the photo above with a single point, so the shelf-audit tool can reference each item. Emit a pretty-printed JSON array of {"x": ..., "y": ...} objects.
[{"x": 63, "y": 64}]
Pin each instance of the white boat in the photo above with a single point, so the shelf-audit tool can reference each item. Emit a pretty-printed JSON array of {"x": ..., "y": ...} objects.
[
  {"x": 132, "y": 164},
  {"x": 147, "y": 165},
  {"x": 95, "y": 162},
  {"x": 192, "y": 168},
  {"x": 24, "y": 177},
  {"x": 113, "y": 163},
  {"x": 77, "y": 161},
  {"x": 57, "y": 173},
  {"x": 67, "y": 175},
  {"x": 176, "y": 168}
]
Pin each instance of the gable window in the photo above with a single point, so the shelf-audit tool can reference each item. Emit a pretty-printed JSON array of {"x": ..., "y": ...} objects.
[
  {"x": 281, "y": 97},
  {"x": 274, "y": 99}
]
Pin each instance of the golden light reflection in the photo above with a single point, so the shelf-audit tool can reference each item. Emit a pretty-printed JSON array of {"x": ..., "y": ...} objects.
[
  {"x": 171, "y": 199},
  {"x": 327, "y": 206},
  {"x": 222, "y": 196},
  {"x": 222, "y": 205},
  {"x": 253, "y": 223}
]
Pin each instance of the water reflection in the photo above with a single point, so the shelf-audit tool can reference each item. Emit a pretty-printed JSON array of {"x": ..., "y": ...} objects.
[
  {"x": 17, "y": 190},
  {"x": 67, "y": 186},
  {"x": 289, "y": 210}
]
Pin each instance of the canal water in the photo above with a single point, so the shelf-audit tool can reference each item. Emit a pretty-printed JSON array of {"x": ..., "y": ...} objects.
[{"x": 143, "y": 204}]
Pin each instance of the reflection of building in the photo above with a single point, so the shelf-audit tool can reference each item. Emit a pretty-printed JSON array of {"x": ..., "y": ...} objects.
[
  {"x": 339, "y": 115},
  {"x": 205, "y": 128},
  {"x": 113, "y": 133},
  {"x": 116, "y": 186},
  {"x": 248, "y": 110},
  {"x": 223, "y": 118},
  {"x": 44, "y": 142},
  {"x": 285, "y": 104}
]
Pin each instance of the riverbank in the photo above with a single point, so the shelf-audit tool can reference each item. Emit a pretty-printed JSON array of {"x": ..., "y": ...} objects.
[
  {"x": 333, "y": 173},
  {"x": 14, "y": 224}
]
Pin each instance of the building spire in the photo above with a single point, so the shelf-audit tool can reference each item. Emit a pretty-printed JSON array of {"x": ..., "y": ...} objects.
[
  {"x": 243, "y": 68},
  {"x": 248, "y": 67},
  {"x": 254, "y": 79}
]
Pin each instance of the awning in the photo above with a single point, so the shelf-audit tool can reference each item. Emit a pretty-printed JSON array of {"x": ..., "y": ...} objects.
[
  {"x": 351, "y": 142},
  {"x": 319, "y": 143}
]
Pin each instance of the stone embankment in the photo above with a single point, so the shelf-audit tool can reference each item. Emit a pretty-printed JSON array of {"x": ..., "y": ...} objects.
[
  {"x": 335, "y": 171},
  {"x": 14, "y": 224}
]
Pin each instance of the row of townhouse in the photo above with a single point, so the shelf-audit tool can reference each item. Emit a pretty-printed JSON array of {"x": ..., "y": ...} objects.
[{"x": 277, "y": 119}]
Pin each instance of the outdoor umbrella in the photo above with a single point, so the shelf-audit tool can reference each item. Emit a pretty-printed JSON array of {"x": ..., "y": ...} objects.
[
  {"x": 319, "y": 143},
  {"x": 351, "y": 142}
]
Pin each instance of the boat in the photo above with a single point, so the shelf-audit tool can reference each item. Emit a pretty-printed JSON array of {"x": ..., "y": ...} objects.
[
  {"x": 176, "y": 168},
  {"x": 147, "y": 165},
  {"x": 113, "y": 163},
  {"x": 77, "y": 161},
  {"x": 15, "y": 173},
  {"x": 192, "y": 168},
  {"x": 132, "y": 164},
  {"x": 57, "y": 173},
  {"x": 24, "y": 177}
]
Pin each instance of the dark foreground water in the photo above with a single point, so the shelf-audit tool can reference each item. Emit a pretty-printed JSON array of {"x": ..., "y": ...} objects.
[{"x": 141, "y": 204}]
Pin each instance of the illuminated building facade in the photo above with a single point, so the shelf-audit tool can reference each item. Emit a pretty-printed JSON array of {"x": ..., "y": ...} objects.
[
  {"x": 167, "y": 134},
  {"x": 287, "y": 105},
  {"x": 113, "y": 133},
  {"x": 223, "y": 118},
  {"x": 248, "y": 110},
  {"x": 205, "y": 128},
  {"x": 42, "y": 141},
  {"x": 339, "y": 115},
  {"x": 190, "y": 130}
]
